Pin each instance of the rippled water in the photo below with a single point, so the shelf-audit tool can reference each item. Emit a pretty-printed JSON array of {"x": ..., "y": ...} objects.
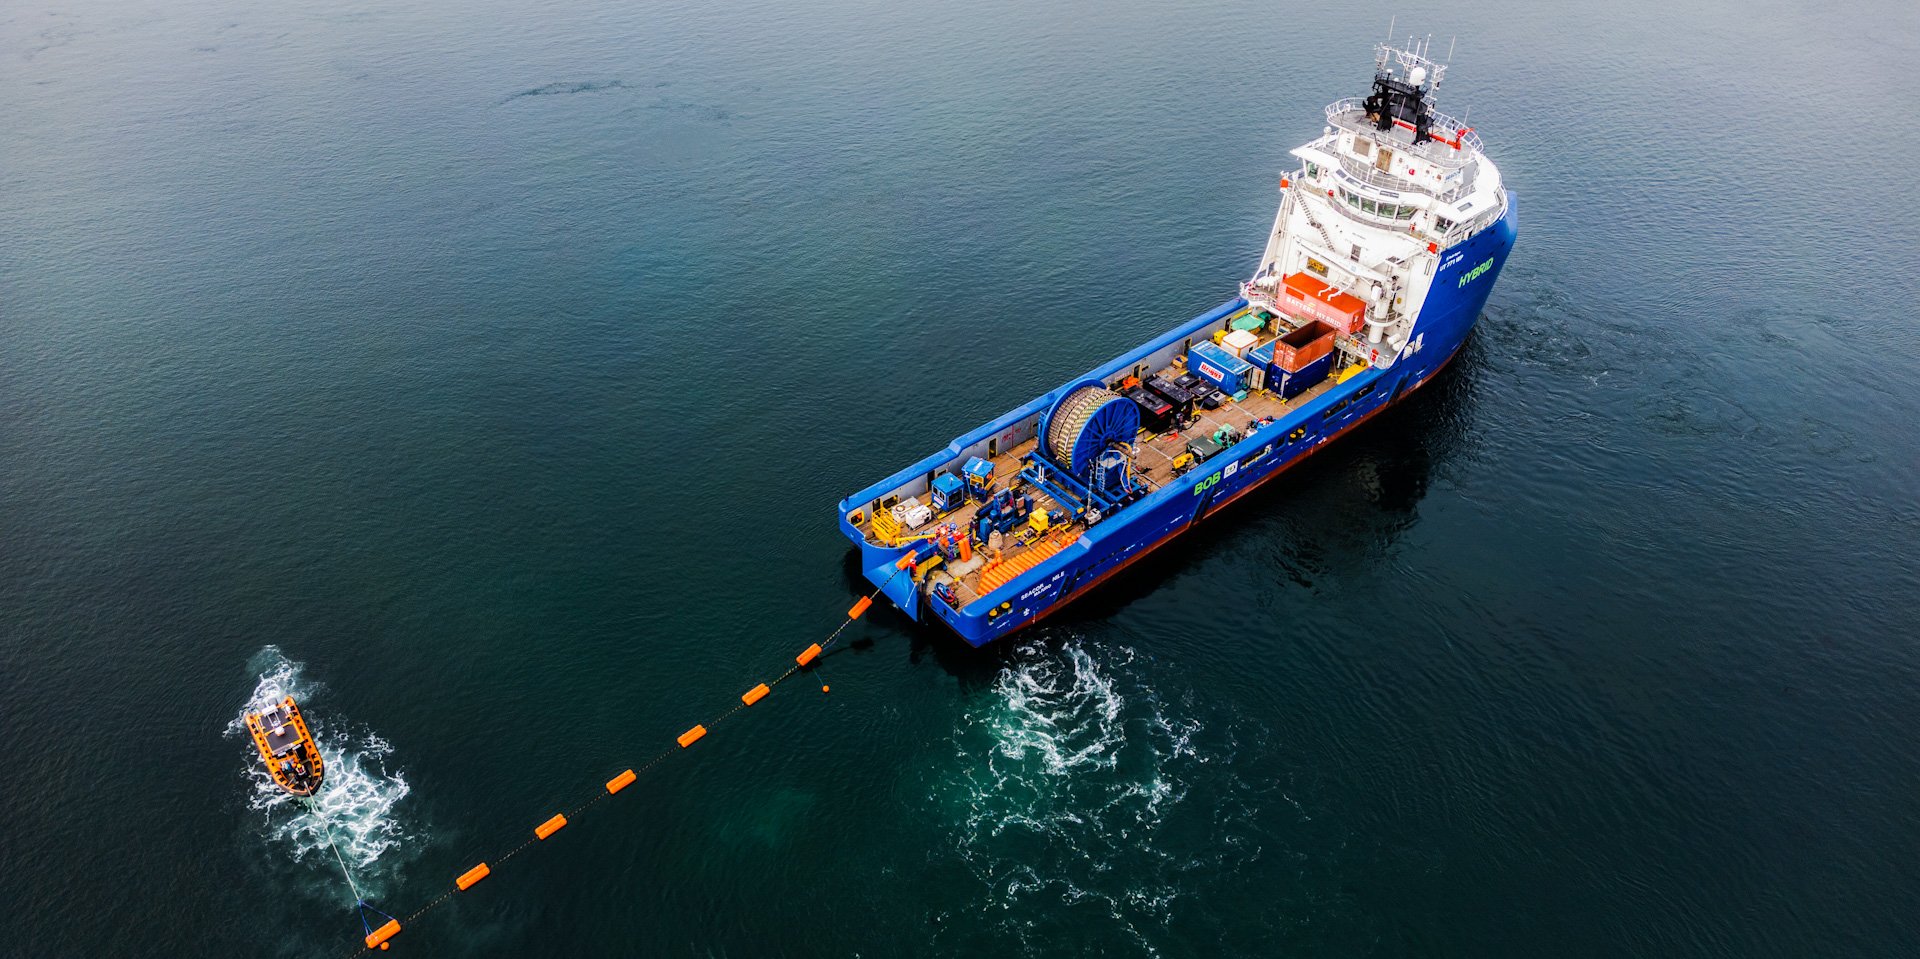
[
  {"x": 1068, "y": 769},
  {"x": 486, "y": 375}
]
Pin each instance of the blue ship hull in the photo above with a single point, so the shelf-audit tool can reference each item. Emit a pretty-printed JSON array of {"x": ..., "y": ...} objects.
[{"x": 1459, "y": 291}]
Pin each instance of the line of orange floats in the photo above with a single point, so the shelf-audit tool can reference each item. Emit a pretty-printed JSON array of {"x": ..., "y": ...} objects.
[{"x": 378, "y": 938}]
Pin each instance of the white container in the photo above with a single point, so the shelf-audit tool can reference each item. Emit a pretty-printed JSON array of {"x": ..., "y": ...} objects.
[
  {"x": 912, "y": 513},
  {"x": 1239, "y": 342}
]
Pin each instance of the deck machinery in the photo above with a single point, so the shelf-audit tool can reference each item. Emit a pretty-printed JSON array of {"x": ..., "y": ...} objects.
[{"x": 1086, "y": 461}]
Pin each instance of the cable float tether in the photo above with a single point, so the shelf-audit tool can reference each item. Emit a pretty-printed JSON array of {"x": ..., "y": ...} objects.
[{"x": 377, "y": 937}]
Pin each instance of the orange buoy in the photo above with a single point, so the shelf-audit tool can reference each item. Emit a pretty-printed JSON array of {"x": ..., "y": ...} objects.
[
  {"x": 379, "y": 936},
  {"x": 550, "y": 827},
  {"x": 692, "y": 736},
  {"x": 860, "y": 607},
  {"x": 826, "y": 689},
  {"x": 755, "y": 694},
  {"x": 620, "y": 782},
  {"x": 470, "y": 877},
  {"x": 808, "y": 655}
]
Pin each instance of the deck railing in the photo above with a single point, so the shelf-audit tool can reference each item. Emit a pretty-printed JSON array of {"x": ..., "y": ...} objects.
[
  {"x": 886, "y": 529},
  {"x": 1351, "y": 114}
]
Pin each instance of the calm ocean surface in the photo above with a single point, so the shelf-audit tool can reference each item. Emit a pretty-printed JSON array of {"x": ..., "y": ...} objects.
[{"x": 486, "y": 374}]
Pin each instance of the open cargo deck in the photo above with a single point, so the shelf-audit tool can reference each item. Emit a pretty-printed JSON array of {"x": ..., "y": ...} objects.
[{"x": 984, "y": 569}]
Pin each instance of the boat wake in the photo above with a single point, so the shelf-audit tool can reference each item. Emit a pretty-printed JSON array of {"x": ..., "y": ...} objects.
[
  {"x": 1069, "y": 800},
  {"x": 358, "y": 800}
]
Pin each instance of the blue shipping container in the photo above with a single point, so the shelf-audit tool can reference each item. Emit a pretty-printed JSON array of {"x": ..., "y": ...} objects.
[
  {"x": 1227, "y": 372},
  {"x": 1296, "y": 383},
  {"x": 1260, "y": 357}
]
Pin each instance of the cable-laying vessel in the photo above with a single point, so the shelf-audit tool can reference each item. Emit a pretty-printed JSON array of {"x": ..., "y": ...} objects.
[{"x": 1390, "y": 233}]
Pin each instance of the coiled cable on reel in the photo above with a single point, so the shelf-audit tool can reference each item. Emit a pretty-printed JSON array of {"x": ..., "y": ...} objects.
[{"x": 1088, "y": 420}]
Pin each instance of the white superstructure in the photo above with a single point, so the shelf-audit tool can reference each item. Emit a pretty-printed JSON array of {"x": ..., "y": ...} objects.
[{"x": 1378, "y": 200}]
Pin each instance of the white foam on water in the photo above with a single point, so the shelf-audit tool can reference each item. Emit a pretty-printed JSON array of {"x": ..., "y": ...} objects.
[
  {"x": 358, "y": 796},
  {"x": 1065, "y": 775}
]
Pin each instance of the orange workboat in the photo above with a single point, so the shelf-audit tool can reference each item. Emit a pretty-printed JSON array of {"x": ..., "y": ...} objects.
[{"x": 287, "y": 747}]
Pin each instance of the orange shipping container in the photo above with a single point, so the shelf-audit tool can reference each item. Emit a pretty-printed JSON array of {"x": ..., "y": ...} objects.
[
  {"x": 1312, "y": 298},
  {"x": 1295, "y": 350}
]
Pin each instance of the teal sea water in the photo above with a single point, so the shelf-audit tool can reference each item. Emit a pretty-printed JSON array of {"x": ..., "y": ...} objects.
[{"x": 486, "y": 374}]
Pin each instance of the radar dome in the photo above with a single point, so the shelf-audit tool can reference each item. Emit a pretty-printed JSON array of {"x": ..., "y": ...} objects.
[{"x": 1417, "y": 76}]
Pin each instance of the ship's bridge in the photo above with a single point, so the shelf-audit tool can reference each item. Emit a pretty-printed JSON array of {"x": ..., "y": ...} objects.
[
  {"x": 1390, "y": 156},
  {"x": 1452, "y": 143},
  {"x": 1392, "y": 139},
  {"x": 1362, "y": 154}
]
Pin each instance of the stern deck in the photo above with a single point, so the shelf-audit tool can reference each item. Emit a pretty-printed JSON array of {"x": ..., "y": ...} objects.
[{"x": 1154, "y": 456}]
